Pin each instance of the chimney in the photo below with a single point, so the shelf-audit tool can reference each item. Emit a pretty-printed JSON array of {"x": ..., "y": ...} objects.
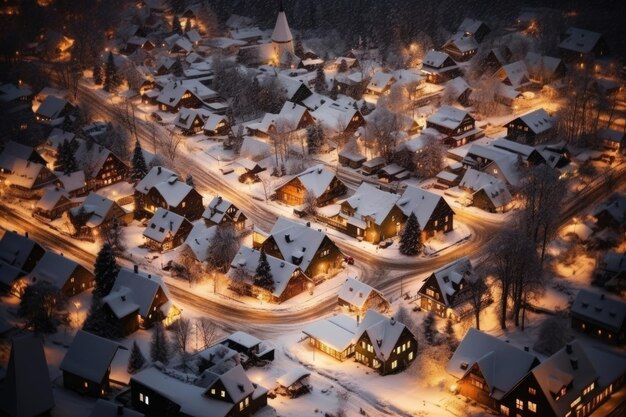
[
  {"x": 308, "y": 224},
  {"x": 526, "y": 349},
  {"x": 159, "y": 170},
  {"x": 26, "y": 234},
  {"x": 136, "y": 269},
  {"x": 149, "y": 276},
  {"x": 358, "y": 319},
  {"x": 219, "y": 199},
  {"x": 171, "y": 225},
  {"x": 574, "y": 363},
  {"x": 392, "y": 321},
  {"x": 568, "y": 348},
  {"x": 287, "y": 238},
  {"x": 601, "y": 296},
  {"x": 120, "y": 410}
]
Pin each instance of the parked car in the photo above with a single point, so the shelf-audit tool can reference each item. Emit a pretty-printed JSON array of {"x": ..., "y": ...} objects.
[{"x": 349, "y": 260}]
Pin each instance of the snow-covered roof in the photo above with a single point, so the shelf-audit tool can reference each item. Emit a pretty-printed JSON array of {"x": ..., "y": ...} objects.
[
  {"x": 296, "y": 241},
  {"x": 10, "y": 92},
  {"x": 18, "y": 150},
  {"x": 369, "y": 201},
  {"x": 187, "y": 116},
  {"x": 599, "y": 308},
  {"x": 295, "y": 374},
  {"x": 173, "y": 190},
  {"x": 137, "y": 289},
  {"x": 217, "y": 209},
  {"x": 336, "y": 332},
  {"x": 611, "y": 134},
  {"x": 462, "y": 42},
  {"x": 356, "y": 292},
  {"x": 193, "y": 35},
  {"x": 334, "y": 116},
  {"x": 96, "y": 207},
  {"x": 237, "y": 383},
  {"x": 517, "y": 73},
  {"x": 537, "y": 63},
  {"x": 281, "y": 31},
  {"x": 316, "y": 179},
  {"x": 244, "y": 339},
  {"x": 419, "y": 201},
  {"x": 291, "y": 113},
  {"x": 121, "y": 302},
  {"x": 538, "y": 121},
  {"x": 452, "y": 273},
  {"x": 435, "y": 59},
  {"x": 501, "y": 364},
  {"x": 495, "y": 189},
  {"x": 173, "y": 92},
  {"x": 384, "y": 335},
  {"x": 153, "y": 177},
  {"x": 380, "y": 81},
  {"x": 51, "y": 107},
  {"x": 104, "y": 408},
  {"x": 616, "y": 208},
  {"x": 89, "y": 356},
  {"x": 448, "y": 116},
  {"x": 53, "y": 268},
  {"x": 72, "y": 181},
  {"x": 15, "y": 249},
  {"x": 184, "y": 44},
  {"x": 514, "y": 147},
  {"x": 25, "y": 173},
  {"x": 458, "y": 86},
  {"x": 163, "y": 223},
  {"x": 254, "y": 149},
  {"x": 247, "y": 260},
  {"x": 246, "y": 33},
  {"x": 213, "y": 121},
  {"x": 470, "y": 26},
  {"x": 580, "y": 40},
  {"x": 199, "y": 240}
]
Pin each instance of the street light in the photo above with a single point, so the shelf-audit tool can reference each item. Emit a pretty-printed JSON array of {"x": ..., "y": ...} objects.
[{"x": 77, "y": 306}]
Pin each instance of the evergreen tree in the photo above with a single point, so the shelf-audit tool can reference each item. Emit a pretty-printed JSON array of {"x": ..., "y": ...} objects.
[
  {"x": 263, "y": 276},
  {"x": 159, "y": 346},
  {"x": 428, "y": 329},
  {"x": 42, "y": 306},
  {"x": 176, "y": 27},
  {"x": 343, "y": 66},
  {"x": 314, "y": 138},
  {"x": 66, "y": 157},
  {"x": 97, "y": 73},
  {"x": 139, "y": 167},
  {"x": 189, "y": 181},
  {"x": 411, "y": 237},
  {"x": 111, "y": 77},
  {"x": 333, "y": 92},
  {"x": 320, "y": 81},
  {"x": 177, "y": 68},
  {"x": 100, "y": 323},
  {"x": 105, "y": 271},
  {"x": 136, "y": 361}
]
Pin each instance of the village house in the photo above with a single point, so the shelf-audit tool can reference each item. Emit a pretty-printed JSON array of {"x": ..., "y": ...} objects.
[
  {"x": 488, "y": 193},
  {"x": 515, "y": 75},
  {"x": 95, "y": 216},
  {"x": 373, "y": 165},
  {"x": 574, "y": 381},
  {"x": 579, "y": 45},
  {"x": 359, "y": 297},
  {"x": 288, "y": 279},
  {"x": 53, "y": 110},
  {"x": 380, "y": 84},
  {"x": 338, "y": 119},
  {"x": 611, "y": 272},
  {"x": 26, "y": 373},
  {"x": 444, "y": 292},
  {"x": 26, "y": 179},
  {"x": 392, "y": 172},
  {"x": 495, "y": 161},
  {"x": 162, "y": 188},
  {"x": 318, "y": 183},
  {"x": 529, "y": 155},
  {"x": 220, "y": 211},
  {"x": 138, "y": 42},
  {"x": 17, "y": 150},
  {"x": 461, "y": 47},
  {"x": 599, "y": 316},
  {"x": 495, "y": 59},
  {"x": 611, "y": 214},
  {"x": 248, "y": 345},
  {"x": 333, "y": 336},
  {"x": 87, "y": 364},
  {"x": 351, "y": 159},
  {"x": 308, "y": 248},
  {"x": 166, "y": 230},
  {"x": 191, "y": 121},
  {"x": 19, "y": 254},
  {"x": 294, "y": 382},
  {"x": 474, "y": 28},
  {"x": 438, "y": 67},
  {"x": 139, "y": 300},
  {"x": 291, "y": 118},
  {"x": 370, "y": 214},
  {"x": 68, "y": 276},
  {"x": 611, "y": 139},
  {"x": 531, "y": 128},
  {"x": 351, "y": 84},
  {"x": 187, "y": 93},
  {"x": 102, "y": 167},
  {"x": 216, "y": 125},
  {"x": 229, "y": 394},
  {"x": 459, "y": 90},
  {"x": 544, "y": 69},
  {"x": 458, "y": 126},
  {"x": 433, "y": 213},
  {"x": 473, "y": 364},
  {"x": 52, "y": 204}
]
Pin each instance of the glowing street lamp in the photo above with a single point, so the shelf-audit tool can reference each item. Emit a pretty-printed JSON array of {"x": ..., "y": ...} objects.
[{"x": 77, "y": 306}]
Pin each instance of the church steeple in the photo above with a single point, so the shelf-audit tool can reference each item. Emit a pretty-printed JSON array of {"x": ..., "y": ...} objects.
[{"x": 282, "y": 39}]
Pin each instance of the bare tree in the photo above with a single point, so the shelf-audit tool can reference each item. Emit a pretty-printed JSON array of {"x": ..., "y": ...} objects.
[
  {"x": 430, "y": 159},
  {"x": 478, "y": 295},
  {"x": 484, "y": 96},
  {"x": 169, "y": 144},
  {"x": 207, "y": 331},
  {"x": 381, "y": 131},
  {"x": 182, "y": 334},
  {"x": 268, "y": 186},
  {"x": 310, "y": 202},
  {"x": 188, "y": 267},
  {"x": 125, "y": 113},
  {"x": 223, "y": 248}
]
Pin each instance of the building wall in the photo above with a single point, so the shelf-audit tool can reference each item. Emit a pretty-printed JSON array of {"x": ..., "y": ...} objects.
[
  {"x": 385, "y": 366},
  {"x": 85, "y": 387},
  {"x": 598, "y": 330},
  {"x": 157, "y": 405},
  {"x": 80, "y": 280}
]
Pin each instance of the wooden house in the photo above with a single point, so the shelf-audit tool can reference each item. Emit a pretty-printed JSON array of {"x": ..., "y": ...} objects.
[
  {"x": 248, "y": 345},
  {"x": 439, "y": 67},
  {"x": 458, "y": 126},
  {"x": 334, "y": 336},
  {"x": 338, "y": 119},
  {"x": 53, "y": 110},
  {"x": 95, "y": 216},
  {"x": 53, "y": 203},
  {"x": 531, "y": 128},
  {"x": 461, "y": 47},
  {"x": 188, "y": 93},
  {"x": 351, "y": 159},
  {"x": 459, "y": 90},
  {"x": 370, "y": 214},
  {"x": 216, "y": 125},
  {"x": 495, "y": 59},
  {"x": 611, "y": 271},
  {"x": 68, "y": 276},
  {"x": 87, "y": 364},
  {"x": 474, "y": 28},
  {"x": 488, "y": 192},
  {"x": 579, "y": 45},
  {"x": 359, "y": 297},
  {"x": 20, "y": 254},
  {"x": 27, "y": 179},
  {"x": 444, "y": 292},
  {"x": 392, "y": 172},
  {"x": 17, "y": 150},
  {"x": 318, "y": 182},
  {"x": 294, "y": 382},
  {"x": 176, "y": 196},
  {"x": 138, "y": 42},
  {"x": 288, "y": 279},
  {"x": 473, "y": 364},
  {"x": 191, "y": 121},
  {"x": 544, "y": 69},
  {"x": 380, "y": 84},
  {"x": 166, "y": 230},
  {"x": 432, "y": 211},
  {"x": 156, "y": 175},
  {"x": 220, "y": 211},
  {"x": 612, "y": 214},
  {"x": 599, "y": 316},
  {"x": 103, "y": 167},
  {"x": 372, "y": 166},
  {"x": 515, "y": 75},
  {"x": 308, "y": 248},
  {"x": 611, "y": 139},
  {"x": 139, "y": 300},
  {"x": 574, "y": 381}
]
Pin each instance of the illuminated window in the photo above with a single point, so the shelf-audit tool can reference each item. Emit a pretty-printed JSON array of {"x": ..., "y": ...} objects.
[
  {"x": 394, "y": 364},
  {"x": 325, "y": 252},
  {"x": 477, "y": 384},
  {"x": 410, "y": 356},
  {"x": 85, "y": 384},
  {"x": 532, "y": 391},
  {"x": 589, "y": 388},
  {"x": 532, "y": 406},
  {"x": 430, "y": 292},
  {"x": 519, "y": 404},
  {"x": 563, "y": 391},
  {"x": 223, "y": 394},
  {"x": 213, "y": 391}
]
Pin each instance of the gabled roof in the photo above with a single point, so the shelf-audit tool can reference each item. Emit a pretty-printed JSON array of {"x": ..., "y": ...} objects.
[
  {"x": 15, "y": 249},
  {"x": 184, "y": 44},
  {"x": 452, "y": 273},
  {"x": 291, "y": 113},
  {"x": 580, "y": 40},
  {"x": 24, "y": 173},
  {"x": 173, "y": 191},
  {"x": 139, "y": 289},
  {"x": 296, "y": 241},
  {"x": 173, "y": 92},
  {"x": 476, "y": 180},
  {"x": 435, "y": 59},
  {"x": 217, "y": 208},
  {"x": 153, "y": 177},
  {"x": 199, "y": 240},
  {"x": 384, "y": 335},
  {"x": 336, "y": 332},
  {"x": 448, "y": 116},
  {"x": 419, "y": 201},
  {"x": 236, "y": 383},
  {"x": 163, "y": 223},
  {"x": 538, "y": 121},
  {"x": 514, "y": 147},
  {"x": 244, "y": 339},
  {"x": 334, "y": 115},
  {"x": 470, "y": 26},
  {"x": 213, "y": 121},
  {"x": 72, "y": 181},
  {"x": 281, "y": 31},
  {"x": 21, "y": 151},
  {"x": 97, "y": 207},
  {"x": 90, "y": 356},
  {"x": 501, "y": 364},
  {"x": 458, "y": 86},
  {"x": 616, "y": 208},
  {"x": 292, "y": 376},
  {"x": 537, "y": 63},
  {"x": 186, "y": 117},
  {"x": 380, "y": 81},
  {"x": 600, "y": 309},
  {"x": 53, "y": 268},
  {"x": 517, "y": 73},
  {"x": 10, "y": 92},
  {"x": 369, "y": 201},
  {"x": 356, "y": 292},
  {"x": 462, "y": 42},
  {"x": 316, "y": 179},
  {"x": 51, "y": 107}
]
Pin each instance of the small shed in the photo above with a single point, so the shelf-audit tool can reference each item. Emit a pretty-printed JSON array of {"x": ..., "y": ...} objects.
[{"x": 294, "y": 383}]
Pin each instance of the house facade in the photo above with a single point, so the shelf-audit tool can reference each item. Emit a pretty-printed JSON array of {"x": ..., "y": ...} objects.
[
  {"x": 386, "y": 349},
  {"x": 317, "y": 181},
  {"x": 599, "y": 316},
  {"x": 446, "y": 289},
  {"x": 532, "y": 128}
]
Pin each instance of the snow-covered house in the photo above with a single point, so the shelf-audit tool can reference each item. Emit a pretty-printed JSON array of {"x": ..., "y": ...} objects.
[
  {"x": 186, "y": 93},
  {"x": 579, "y": 45},
  {"x": 574, "y": 381},
  {"x": 351, "y": 158},
  {"x": 309, "y": 248},
  {"x": 337, "y": 118},
  {"x": 191, "y": 121},
  {"x": 26, "y": 179},
  {"x": 162, "y": 188},
  {"x": 217, "y": 357},
  {"x": 487, "y": 368},
  {"x": 611, "y": 271},
  {"x": 294, "y": 382},
  {"x": 288, "y": 279},
  {"x": 459, "y": 90},
  {"x": 611, "y": 214},
  {"x": 101, "y": 166},
  {"x": 611, "y": 139},
  {"x": 461, "y": 47},
  {"x": 18, "y": 150},
  {"x": 544, "y": 69},
  {"x": 292, "y": 117},
  {"x": 531, "y": 128},
  {"x": 458, "y": 126},
  {"x": 475, "y": 28},
  {"x": 87, "y": 364},
  {"x": 359, "y": 297},
  {"x": 599, "y": 316},
  {"x": 198, "y": 241},
  {"x": 230, "y": 394},
  {"x": 53, "y": 110},
  {"x": 530, "y": 156},
  {"x": 433, "y": 212},
  {"x": 317, "y": 182},
  {"x": 248, "y": 345},
  {"x": 95, "y": 215},
  {"x": 495, "y": 161},
  {"x": 138, "y": 300},
  {"x": 138, "y": 42},
  {"x": 495, "y": 59},
  {"x": 216, "y": 125},
  {"x": 69, "y": 277},
  {"x": 221, "y": 211},
  {"x": 166, "y": 230},
  {"x": 488, "y": 192},
  {"x": 370, "y": 214},
  {"x": 439, "y": 67},
  {"x": 380, "y": 84},
  {"x": 444, "y": 292},
  {"x": 52, "y": 204},
  {"x": 26, "y": 374},
  {"x": 19, "y": 254},
  {"x": 515, "y": 75}
]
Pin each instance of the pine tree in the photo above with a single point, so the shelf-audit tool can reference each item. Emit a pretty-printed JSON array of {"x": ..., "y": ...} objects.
[
  {"x": 97, "y": 73},
  {"x": 177, "y": 68},
  {"x": 189, "y": 181},
  {"x": 411, "y": 237},
  {"x": 111, "y": 78},
  {"x": 428, "y": 329},
  {"x": 105, "y": 271},
  {"x": 176, "y": 27},
  {"x": 314, "y": 138},
  {"x": 159, "y": 346},
  {"x": 139, "y": 167},
  {"x": 136, "y": 361},
  {"x": 320, "y": 81},
  {"x": 263, "y": 276},
  {"x": 66, "y": 158},
  {"x": 343, "y": 66},
  {"x": 364, "y": 109},
  {"x": 100, "y": 323}
]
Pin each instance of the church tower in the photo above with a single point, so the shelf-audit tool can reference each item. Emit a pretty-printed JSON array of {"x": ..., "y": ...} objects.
[{"x": 282, "y": 40}]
